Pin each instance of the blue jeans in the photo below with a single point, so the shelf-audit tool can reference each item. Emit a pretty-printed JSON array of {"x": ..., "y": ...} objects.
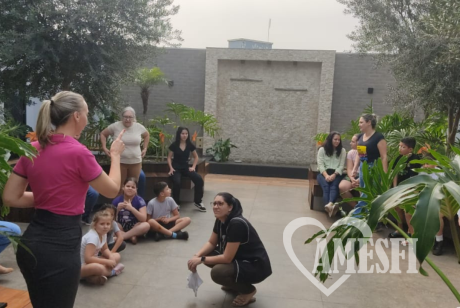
[
  {"x": 141, "y": 185},
  {"x": 361, "y": 204},
  {"x": 91, "y": 199},
  {"x": 330, "y": 189},
  {"x": 9, "y": 228}
]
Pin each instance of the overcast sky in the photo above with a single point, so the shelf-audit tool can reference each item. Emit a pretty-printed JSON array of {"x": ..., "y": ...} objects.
[{"x": 295, "y": 24}]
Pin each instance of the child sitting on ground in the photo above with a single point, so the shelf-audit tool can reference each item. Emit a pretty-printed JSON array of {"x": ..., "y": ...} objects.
[
  {"x": 115, "y": 232},
  {"x": 94, "y": 268},
  {"x": 406, "y": 148},
  {"x": 163, "y": 215},
  {"x": 131, "y": 212}
]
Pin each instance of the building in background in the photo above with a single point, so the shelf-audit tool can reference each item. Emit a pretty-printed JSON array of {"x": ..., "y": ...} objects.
[{"x": 243, "y": 43}]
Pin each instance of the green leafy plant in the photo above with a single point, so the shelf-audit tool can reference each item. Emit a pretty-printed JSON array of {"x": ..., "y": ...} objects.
[
  {"x": 10, "y": 145},
  {"x": 429, "y": 196},
  {"x": 320, "y": 138},
  {"x": 221, "y": 150},
  {"x": 188, "y": 115},
  {"x": 146, "y": 78}
]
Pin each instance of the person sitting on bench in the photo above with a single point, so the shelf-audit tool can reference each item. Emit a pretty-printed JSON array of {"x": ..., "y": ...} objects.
[{"x": 178, "y": 157}]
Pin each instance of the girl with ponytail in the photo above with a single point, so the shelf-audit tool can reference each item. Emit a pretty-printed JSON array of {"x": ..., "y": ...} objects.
[{"x": 59, "y": 178}]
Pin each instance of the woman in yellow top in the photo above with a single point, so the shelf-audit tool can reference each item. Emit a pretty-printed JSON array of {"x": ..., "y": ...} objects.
[
  {"x": 331, "y": 161},
  {"x": 131, "y": 158}
]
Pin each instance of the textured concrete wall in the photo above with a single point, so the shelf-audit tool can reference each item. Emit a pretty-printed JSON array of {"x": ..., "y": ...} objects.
[
  {"x": 353, "y": 75},
  {"x": 270, "y": 103},
  {"x": 186, "y": 67}
]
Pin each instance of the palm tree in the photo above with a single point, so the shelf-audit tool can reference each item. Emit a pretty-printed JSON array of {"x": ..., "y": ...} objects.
[{"x": 146, "y": 78}]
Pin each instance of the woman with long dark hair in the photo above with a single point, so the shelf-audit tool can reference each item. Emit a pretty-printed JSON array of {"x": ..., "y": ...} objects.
[
  {"x": 331, "y": 161},
  {"x": 234, "y": 251},
  {"x": 178, "y": 161},
  {"x": 59, "y": 178}
]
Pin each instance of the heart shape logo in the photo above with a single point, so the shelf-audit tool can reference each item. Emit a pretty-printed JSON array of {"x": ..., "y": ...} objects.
[{"x": 304, "y": 221}]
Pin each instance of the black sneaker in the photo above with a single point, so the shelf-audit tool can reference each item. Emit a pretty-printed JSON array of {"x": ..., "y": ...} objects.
[
  {"x": 200, "y": 207},
  {"x": 379, "y": 227},
  {"x": 437, "y": 248},
  {"x": 395, "y": 234},
  {"x": 158, "y": 237},
  {"x": 182, "y": 235}
]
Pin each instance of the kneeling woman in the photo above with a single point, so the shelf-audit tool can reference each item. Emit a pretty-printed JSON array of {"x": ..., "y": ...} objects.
[{"x": 234, "y": 251}]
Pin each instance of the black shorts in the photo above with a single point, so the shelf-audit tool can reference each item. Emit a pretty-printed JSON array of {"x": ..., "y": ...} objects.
[
  {"x": 127, "y": 225},
  {"x": 169, "y": 225}
]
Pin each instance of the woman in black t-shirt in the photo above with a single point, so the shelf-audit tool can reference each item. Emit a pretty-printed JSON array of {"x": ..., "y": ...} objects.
[
  {"x": 234, "y": 251},
  {"x": 371, "y": 146},
  {"x": 178, "y": 157}
]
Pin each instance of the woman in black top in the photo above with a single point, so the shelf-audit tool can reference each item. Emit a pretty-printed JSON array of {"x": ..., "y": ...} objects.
[
  {"x": 178, "y": 157},
  {"x": 371, "y": 146},
  {"x": 234, "y": 251}
]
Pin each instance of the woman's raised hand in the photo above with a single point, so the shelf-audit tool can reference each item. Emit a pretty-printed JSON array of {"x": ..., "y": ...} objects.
[{"x": 118, "y": 145}]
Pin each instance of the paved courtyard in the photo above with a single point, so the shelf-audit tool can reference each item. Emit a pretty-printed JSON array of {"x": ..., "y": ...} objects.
[{"x": 156, "y": 272}]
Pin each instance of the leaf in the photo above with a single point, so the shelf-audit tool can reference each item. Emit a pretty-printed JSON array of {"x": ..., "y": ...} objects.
[{"x": 426, "y": 218}]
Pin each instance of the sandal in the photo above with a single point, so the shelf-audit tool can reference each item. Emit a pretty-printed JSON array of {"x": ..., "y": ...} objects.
[
  {"x": 252, "y": 300},
  {"x": 240, "y": 302}
]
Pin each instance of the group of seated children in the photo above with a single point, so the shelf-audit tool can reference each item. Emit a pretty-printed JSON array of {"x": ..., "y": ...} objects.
[{"x": 100, "y": 247}]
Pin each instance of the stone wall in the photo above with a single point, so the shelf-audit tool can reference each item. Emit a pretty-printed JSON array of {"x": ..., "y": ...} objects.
[
  {"x": 268, "y": 125},
  {"x": 186, "y": 68},
  {"x": 270, "y": 103},
  {"x": 354, "y": 74}
]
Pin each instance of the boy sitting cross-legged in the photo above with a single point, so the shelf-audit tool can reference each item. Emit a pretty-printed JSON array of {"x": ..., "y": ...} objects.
[{"x": 163, "y": 215}]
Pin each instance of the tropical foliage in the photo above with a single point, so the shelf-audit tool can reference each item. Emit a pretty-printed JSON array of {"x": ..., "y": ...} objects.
[
  {"x": 220, "y": 150},
  {"x": 145, "y": 79},
  {"x": 91, "y": 47},
  {"x": 429, "y": 197},
  {"x": 418, "y": 41}
]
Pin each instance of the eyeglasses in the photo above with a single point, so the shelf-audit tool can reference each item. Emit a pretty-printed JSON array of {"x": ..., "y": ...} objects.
[
  {"x": 218, "y": 203},
  {"x": 128, "y": 118}
]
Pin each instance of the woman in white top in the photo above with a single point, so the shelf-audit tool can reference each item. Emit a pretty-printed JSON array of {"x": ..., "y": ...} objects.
[
  {"x": 352, "y": 179},
  {"x": 331, "y": 161},
  {"x": 131, "y": 158}
]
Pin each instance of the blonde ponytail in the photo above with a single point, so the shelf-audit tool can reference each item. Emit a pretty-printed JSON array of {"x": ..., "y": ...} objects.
[
  {"x": 44, "y": 125},
  {"x": 56, "y": 112}
]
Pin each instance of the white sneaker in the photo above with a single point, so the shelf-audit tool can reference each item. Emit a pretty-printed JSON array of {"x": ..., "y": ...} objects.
[
  {"x": 328, "y": 208},
  {"x": 335, "y": 209}
]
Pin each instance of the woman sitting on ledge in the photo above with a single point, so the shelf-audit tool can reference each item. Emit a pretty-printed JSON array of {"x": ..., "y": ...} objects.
[
  {"x": 331, "y": 161},
  {"x": 352, "y": 180},
  {"x": 234, "y": 251},
  {"x": 178, "y": 157}
]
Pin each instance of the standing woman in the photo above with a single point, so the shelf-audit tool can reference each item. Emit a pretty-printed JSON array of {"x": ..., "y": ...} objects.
[
  {"x": 131, "y": 158},
  {"x": 234, "y": 251},
  {"x": 178, "y": 157},
  {"x": 59, "y": 178},
  {"x": 371, "y": 146},
  {"x": 331, "y": 161}
]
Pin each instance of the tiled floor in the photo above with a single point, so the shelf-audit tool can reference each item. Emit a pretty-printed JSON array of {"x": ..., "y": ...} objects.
[{"x": 156, "y": 273}]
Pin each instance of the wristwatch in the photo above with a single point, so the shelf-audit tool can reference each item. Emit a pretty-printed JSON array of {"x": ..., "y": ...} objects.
[{"x": 203, "y": 259}]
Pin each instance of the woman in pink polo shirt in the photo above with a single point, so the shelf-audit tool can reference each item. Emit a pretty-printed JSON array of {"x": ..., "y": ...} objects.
[{"x": 59, "y": 177}]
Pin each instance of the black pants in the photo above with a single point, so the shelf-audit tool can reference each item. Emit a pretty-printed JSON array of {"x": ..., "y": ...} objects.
[
  {"x": 196, "y": 179},
  {"x": 121, "y": 248},
  {"x": 52, "y": 267}
]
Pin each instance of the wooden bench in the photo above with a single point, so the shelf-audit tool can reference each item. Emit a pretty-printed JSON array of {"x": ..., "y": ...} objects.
[
  {"x": 315, "y": 188},
  {"x": 15, "y": 298}
]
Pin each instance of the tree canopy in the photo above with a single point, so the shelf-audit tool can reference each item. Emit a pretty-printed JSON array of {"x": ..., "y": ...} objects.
[
  {"x": 87, "y": 46},
  {"x": 420, "y": 40}
]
